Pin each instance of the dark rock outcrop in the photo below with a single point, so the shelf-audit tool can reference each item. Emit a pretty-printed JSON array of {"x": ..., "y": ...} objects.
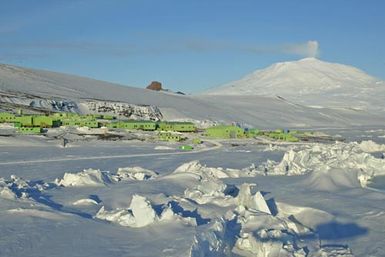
[{"x": 155, "y": 85}]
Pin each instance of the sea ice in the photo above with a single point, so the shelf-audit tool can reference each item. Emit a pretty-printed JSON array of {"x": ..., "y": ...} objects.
[
  {"x": 371, "y": 146},
  {"x": 208, "y": 173},
  {"x": 141, "y": 213},
  {"x": 340, "y": 164},
  {"x": 134, "y": 173},
  {"x": 88, "y": 177}
]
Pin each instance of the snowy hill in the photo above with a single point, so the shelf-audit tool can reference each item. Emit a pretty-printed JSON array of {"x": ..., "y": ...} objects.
[
  {"x": 64, "y": 92},
  {"x": 313, "y": 82}
]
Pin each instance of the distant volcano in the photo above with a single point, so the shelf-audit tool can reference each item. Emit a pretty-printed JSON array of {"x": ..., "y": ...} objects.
[{"x": 310, "y": 81}]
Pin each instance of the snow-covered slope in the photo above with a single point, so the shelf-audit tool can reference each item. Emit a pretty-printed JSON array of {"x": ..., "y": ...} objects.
[
  {"x": 311, "y": 81},
  {"x": 22, "y": 85}
]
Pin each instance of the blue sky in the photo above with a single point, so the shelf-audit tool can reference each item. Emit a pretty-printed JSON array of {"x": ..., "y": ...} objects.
[{"x": 188, "y": 45}]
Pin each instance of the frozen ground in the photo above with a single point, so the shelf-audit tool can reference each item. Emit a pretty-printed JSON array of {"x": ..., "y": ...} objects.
[{"x": 133, "y": 198}]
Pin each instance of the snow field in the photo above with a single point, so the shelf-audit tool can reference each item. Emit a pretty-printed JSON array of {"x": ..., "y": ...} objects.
[{"x": 224, "y": 218}]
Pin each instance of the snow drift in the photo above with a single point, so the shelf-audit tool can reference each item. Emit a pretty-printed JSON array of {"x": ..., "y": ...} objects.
[
  {"x": 370, "y": 146},
  {"x": 92, "y": 177},
  {"x": 141, "y": 214},
  {"x": 195, "y": 167},
  {"x": 88, "y": 177},
  {"x": 331, "y": 166},
  {"x": 134, "y": 173},
  {"x": 250, "y": 229},
  {"x": 239, "y": 218},
  {"x": 16, "y": 188}
]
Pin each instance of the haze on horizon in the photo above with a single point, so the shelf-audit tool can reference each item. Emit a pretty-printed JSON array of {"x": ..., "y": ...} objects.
[{"x": 188, "y": 46}]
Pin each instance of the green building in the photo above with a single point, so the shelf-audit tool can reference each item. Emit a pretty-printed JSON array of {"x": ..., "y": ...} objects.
[
  {"x": 133, "y": 125},
  {"x": 80, "y": 123},
  {"x": 7, "y": 117},
  {"x": 45, "y": 121},
  {"x": 252, "y": 132},
  {"x": 281, "y": 135},
  {"x": 186, "y": 147},
  {"x": 108, "y": 117},
  {"x": 96, "y": 116},
  {"x": 176, "y": 126},
  {"x": 223, "y": 131},
  {"x": 25, "y": 121},
  {"x": 66, "y": 115},
  {"x": 169, "y": 136},
  {"x": 27, "y": 131},
  {"x": 60, "y": 115}
]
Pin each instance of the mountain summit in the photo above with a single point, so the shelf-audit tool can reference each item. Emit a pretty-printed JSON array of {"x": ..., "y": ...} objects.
[{"x": 310, "y": 81}]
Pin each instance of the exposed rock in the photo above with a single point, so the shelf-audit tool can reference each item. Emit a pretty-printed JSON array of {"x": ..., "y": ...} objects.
[
  {"x": 123, "y": 110},
  {"x": 155, "y": 85},
  {"x": 37, "y": 103}
]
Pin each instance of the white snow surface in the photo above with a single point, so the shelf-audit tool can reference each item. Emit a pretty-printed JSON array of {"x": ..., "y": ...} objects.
[
  {"x": 163, "y": 147},
  {"x": 215, "y": 217}
]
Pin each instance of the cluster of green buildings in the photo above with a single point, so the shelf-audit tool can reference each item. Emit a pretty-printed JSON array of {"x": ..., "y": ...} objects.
[
  {"x": 170, "y": 136},
  {"x": 152, "y": 125},
  {"x": 168, "y": 131},
  {"x": 34, "y": 123},
  {"x": 225, "y": 132},
  {"x": 230, "y": 131},
  {"x": 29, "y": 124}
]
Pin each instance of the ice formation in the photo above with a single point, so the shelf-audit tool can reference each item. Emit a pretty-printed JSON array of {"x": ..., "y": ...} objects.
[
  {"x": 142, "y": 211},
  {"x": 86, "y": 201},
  {"x": 252, "y": 226},
  {"x": 7, "y": 193},
  {"x": 212, "y": 241},
  {"x": 141, "y": 214},
  {"x": 331, "y": 166},
  {"x": 205, "y": 172},
  {"x": 210, "y": 191},
  {"x": 88, "y": 177},
  {"x": 334, "y": 251},
  {"x": 255, "y": 202},
  {"x": 371, "y": 146},
  {"x": 18, "y": 188},
  {"x": 134, "y": 173},
  {"x": 92, "y": 177},
  {"x": 250, "y": 229}
]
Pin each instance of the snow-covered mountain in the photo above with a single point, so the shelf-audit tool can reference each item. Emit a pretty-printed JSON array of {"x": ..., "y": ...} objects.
[
  {"x": 64, "y": 92},
  {"x": 313, "y": 82}
]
